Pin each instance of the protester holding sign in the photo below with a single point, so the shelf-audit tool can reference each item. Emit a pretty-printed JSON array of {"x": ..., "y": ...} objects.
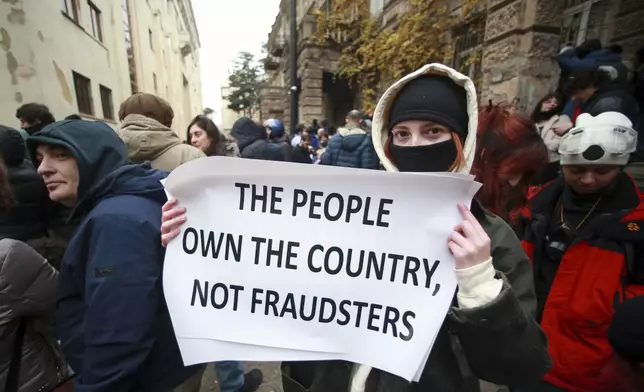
[{"x": 490, "y": 331}]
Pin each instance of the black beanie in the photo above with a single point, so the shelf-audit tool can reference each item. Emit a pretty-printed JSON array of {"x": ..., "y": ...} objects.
[
  {"x": 626, "y": 331},
  {"x": 433, "y": 98}
]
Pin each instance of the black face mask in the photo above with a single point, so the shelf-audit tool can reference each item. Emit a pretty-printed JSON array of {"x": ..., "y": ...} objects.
[{"x": 424, "y": 159}]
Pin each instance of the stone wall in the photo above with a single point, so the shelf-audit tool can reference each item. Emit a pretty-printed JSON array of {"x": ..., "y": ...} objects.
[
  {"x": 521, "y": 42},
  {"x": 628, "y": 29},
  {"x": 272, "y": 103}
]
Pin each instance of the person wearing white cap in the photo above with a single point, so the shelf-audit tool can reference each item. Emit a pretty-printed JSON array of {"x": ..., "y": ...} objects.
[{"x": 585, "y": 237}]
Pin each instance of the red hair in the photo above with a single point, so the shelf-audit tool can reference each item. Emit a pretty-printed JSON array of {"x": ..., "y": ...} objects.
[{"x": 509, "y": 145}]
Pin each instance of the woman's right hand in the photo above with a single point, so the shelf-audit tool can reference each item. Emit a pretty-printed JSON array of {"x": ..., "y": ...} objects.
[{"x": 172, "y": 218}]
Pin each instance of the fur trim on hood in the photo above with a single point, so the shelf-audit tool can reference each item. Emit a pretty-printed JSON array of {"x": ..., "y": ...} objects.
[{"x": 380, "y": 128}]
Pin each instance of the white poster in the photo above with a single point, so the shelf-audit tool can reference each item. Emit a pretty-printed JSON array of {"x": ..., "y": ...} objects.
[{"x": 300, "y": 262}]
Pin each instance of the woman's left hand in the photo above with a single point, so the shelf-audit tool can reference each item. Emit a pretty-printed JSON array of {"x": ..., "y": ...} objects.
[{"x": 469, "y": 243}]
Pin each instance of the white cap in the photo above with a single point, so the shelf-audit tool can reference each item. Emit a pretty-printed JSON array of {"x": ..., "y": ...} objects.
[{"x": 605, "y": 139}]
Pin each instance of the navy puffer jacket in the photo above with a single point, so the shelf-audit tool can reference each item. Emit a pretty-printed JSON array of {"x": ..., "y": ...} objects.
[{"x": 351, "y": 147}]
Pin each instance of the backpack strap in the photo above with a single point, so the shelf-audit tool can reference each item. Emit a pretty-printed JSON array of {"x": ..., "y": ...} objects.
[
  {"x": 13, "y": 377},
  {"x": 634, "y": 264}
]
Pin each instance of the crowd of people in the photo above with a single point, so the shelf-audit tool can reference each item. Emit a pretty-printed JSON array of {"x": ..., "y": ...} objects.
[{"x": 549, "y": 258}]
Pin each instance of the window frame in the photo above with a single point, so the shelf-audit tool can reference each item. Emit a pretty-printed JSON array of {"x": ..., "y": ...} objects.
[
  {"x": 74, "y": 15},
  {"x": 95, "y": 16},
  {"x": 583, "y": 9},
  {"x": 467, "y": 46},
  {"x": 107, "y": 102},
  {"x": 81, "y": 82}
]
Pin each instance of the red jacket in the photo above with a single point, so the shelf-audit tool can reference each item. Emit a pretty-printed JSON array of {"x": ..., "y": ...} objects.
[{"x": 604, "y": 266}]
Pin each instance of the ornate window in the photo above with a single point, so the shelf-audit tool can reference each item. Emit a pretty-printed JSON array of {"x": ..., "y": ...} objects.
[
  {"x": 468, "y": 50},
  {"x": 584, "y": 20}
]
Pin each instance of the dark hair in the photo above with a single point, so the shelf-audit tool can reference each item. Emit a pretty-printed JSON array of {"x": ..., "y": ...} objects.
[
  {"x": 32, "y": 112},
  {"x": 73, "y": 117},
  {"x": 589, "y": 46},
  {"x": 355, "y": 116},
  {"x": 211, "y": 130},
  {"x": 584, "y": 78},
  {"x": 300, "y": 128},
  {"x": 538, "y": 115},
  {"x": 306, "y": 138},
  {"x": 506, "y": 144},
  {"x": 615, "y": 48}
]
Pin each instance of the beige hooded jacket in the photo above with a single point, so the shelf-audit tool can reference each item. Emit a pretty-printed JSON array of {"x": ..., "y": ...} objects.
[
  {"x": 148, "y": 140},
  {"x": 486, "y": 293}
]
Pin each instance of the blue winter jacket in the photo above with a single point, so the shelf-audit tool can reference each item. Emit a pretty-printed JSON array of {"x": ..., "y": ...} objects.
[
  {"x": 351, "y": 148},
  {"x": 569, "y": 62},
  {"x": 111, "y": 314}
]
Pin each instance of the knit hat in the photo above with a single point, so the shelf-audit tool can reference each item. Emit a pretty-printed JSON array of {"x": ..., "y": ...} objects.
[
  {"x": 626, "y": 331},
  {"x": 432, "y": 98},
  {"x": 605, "y": 139},
  {"x": 148, "y": 105}
]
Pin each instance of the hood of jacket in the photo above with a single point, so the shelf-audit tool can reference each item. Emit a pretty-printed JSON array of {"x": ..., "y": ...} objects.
[
  {"x": 352, "y": 137},
  {"x": 12, "y": 146},
  {"x": 146, "y": 139},
  {"x": 97, "y": 148},
  {"x": 380, "y": 127},
  {"x": 138, "y": 180},
  {"x": 246, "y": 132}
]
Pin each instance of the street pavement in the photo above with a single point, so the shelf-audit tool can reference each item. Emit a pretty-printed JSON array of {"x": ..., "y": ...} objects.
[{"x": 272, "y": 377}]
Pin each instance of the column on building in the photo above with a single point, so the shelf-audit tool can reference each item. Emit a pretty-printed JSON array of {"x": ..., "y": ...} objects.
[
  {"x": 311, "y": 95},
  {"x": 310, "y": 72},
  {"x": 521, "y": 42}
]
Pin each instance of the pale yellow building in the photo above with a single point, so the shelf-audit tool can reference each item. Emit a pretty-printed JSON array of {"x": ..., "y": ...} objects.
[
  {"x": 87, "y": 56},
  {"x": 228, "y": 116}
]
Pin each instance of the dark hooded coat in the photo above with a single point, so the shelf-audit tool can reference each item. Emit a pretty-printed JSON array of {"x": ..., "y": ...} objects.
[
  {"x": 111, "y": 315},
  {"x": 253, "y": 143}
]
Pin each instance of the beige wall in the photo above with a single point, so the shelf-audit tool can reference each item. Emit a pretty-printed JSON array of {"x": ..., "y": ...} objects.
[
  {"x": 40, "y": 47},
  {"x": 228, "y": 117},
  {"x": 164, "y": 59}
]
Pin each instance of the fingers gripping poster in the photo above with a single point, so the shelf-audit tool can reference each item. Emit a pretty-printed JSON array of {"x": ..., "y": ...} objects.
[{"x": 281, "y": 261}]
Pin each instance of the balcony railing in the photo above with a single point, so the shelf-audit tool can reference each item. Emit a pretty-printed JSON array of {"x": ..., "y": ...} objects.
[
  {"x": 277, "y": 48},
  {"x": 271, "y": 63}
]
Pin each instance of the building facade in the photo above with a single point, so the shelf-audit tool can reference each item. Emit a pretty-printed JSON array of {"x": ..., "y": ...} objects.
[
  {"x": 88, "y": 56},
  {"x": 509, "y": 50},
  {"x": 228, "y": 116}
]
